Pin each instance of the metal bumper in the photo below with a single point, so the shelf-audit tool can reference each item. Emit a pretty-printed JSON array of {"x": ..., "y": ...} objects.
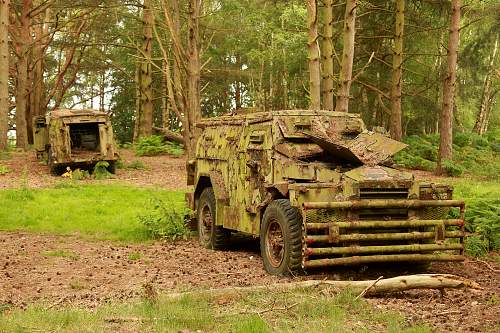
[{"x": 357, "y": 241}]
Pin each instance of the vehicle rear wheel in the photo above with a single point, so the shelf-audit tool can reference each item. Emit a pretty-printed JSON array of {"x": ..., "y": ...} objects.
[
  {"x": 210, "y": 235},
  {"x": 281, "y": 238}
]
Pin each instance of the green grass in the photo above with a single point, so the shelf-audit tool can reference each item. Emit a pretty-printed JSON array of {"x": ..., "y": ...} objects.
[
  {"x": 61, "y": 254},
  {"x": 302, "y": 310},
  {"x": 102, "y": 211}
]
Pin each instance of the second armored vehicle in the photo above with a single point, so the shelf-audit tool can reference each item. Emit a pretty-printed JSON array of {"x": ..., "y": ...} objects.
[
  {"x": 74, "y": 138},
  {"x": 318, "y": 190}
]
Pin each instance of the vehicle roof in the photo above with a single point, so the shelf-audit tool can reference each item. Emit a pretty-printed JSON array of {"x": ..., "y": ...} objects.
[
  {"x": 261, "y": 116},
  {"x": 63, "y": 113}
]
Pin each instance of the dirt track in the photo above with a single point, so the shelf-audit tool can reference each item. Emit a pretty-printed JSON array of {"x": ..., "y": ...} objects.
[{"x": 61, "y": 270}]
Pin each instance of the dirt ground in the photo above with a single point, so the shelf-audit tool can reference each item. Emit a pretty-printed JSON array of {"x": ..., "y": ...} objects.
[
  {"x": 162, "y": 171},
  {"x": 60, "y": 270}
]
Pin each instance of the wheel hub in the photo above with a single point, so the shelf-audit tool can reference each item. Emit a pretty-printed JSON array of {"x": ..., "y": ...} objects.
[{"x": 275, "y": 244}]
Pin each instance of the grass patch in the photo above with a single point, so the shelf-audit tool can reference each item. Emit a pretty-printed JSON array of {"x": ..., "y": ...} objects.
[
  {"x": 134, "y": 256},
  {"x": 61, "y": 254},
  {"x": 292, "y": 311},
  {"x": 4, "y": 170},
  {"x": 102, "y": 211},
  {"x": 164, "y": 221}
]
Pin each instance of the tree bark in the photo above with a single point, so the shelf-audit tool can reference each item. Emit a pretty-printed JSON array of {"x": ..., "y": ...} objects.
[
  {"x": 22, "y": 88},
  {"x": 193, "y": 73},
  {"x": 446, "y": 125},
  {"x": 397, "y": 73},
  {"x": 314, "y": 56},
  {"x": 345, "y": 78},
  {"x": 481, "y": 118},
  {"x": 145, "y": 112},
  {"x": 327, "y": 55},
  {"x": 4, "y": 73},
  {"x": 368, "y": 287}
]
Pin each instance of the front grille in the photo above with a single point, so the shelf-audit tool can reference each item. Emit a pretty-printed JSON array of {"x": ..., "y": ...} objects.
[{"x": 383, "y": 193}]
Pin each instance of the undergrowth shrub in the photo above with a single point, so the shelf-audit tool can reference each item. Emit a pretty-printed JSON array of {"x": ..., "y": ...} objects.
[
  {"x": 4, "y": 170},
  {"x": 472, "y": 154},
  {"x": 452, "y": 169},
  {"x": 100, "y": 171},
  {"x": 154, "y": 145},
  {"x": 165, "y": 222}
]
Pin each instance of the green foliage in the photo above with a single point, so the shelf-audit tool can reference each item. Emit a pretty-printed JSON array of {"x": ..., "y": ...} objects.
[
  {"x": 452, "y": 169},
  {"x": 472, "y": 155},
  {"x": 154, "y": 145},
  {"x": 4, "y": 170},
  {"x": 165, "y": 222},
  {"x": 91, "y": 210},
  {"x": 79, "y": 174},
  {"x": 482, "y": 216},
  {"x": 4, "y": 155},
  {"x": 101, "y": 172}
]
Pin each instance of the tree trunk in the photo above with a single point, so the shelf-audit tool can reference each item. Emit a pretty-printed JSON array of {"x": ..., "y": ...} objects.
[
  {"x": 446, "y": 126},
  {"x": 327, "y": 55},
  {"x": 4, "y": 74},
  {"x": 145, "y": 111},
  {"x": 368, "y": 287},
  {"x": 345, "y": 78},
  {"x": 22, "y": 89},
  {"x": 481, "y": 118},
  {"x": 314, "y": 56},
  {"x": 193, "y": 72},
  {"x": 397, "y": 72}
]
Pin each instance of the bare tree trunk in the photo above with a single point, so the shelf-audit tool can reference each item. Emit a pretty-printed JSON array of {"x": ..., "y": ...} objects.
[
  {"x": 446, "y": 125},
  {"x": 193, "y": 72},
  {"x": 397, "y": 72},
  {"x": 327, "y": 56},
  {"x": 4, "y": 73},
  {"x": 145, "y": 112},
  {"x": 342, "y": 104},
  {"x": 314, "y": 56},
  {"x": 481, "y": 118},
  {"x": 22, "y": 88}
]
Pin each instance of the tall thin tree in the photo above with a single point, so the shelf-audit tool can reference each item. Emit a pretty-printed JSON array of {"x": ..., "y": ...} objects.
[
  {"x": 446, "y": 124},
  {"x": 4, "y": 73},
  {"x": 144, "y": 112},
  {"x": 314, "y": 56},
  {"x": 345, "y": 78},
  {"x": 327, "y": 56},
  {"x": 397, "y": 72}
]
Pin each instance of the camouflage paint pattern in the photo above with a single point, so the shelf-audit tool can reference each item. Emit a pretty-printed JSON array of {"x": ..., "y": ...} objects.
[
  {"x": 52, "y": 135},
  {"x": 335, "y": 172}
]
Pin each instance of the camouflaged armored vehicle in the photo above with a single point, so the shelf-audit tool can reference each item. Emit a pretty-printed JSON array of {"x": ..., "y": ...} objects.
[
  {"x": 316, "y": 188},
  {"x": 74, "y": 138}
]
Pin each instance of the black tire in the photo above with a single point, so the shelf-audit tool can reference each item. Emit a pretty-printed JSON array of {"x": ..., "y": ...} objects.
[
  {"x": 211, "y": 236},
  {"x": 281, "y": 238}
]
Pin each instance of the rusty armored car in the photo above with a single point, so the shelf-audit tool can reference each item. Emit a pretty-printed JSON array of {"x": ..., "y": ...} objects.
[
  {"x": 318, "y": 190},
  {"x": 74, "y": 138}
]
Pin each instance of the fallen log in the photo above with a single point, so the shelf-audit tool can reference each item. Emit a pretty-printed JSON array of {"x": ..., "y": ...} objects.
[
  {"x": 169, "y": 135},
  {"x": 369, "y": 287}
]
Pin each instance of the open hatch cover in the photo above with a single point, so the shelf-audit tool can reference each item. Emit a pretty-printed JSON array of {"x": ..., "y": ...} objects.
[{"x": 367, "y": 148}]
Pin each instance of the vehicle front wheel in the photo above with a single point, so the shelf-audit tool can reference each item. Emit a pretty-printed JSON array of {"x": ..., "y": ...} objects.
[
  {"x": 281, "y": 238},
  {"x": 210, "y": 235}
]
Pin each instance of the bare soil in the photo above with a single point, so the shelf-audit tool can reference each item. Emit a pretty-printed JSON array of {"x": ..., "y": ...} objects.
[
  {"x": 162, "y": 171},
  {"x": 59, "y": 270}
]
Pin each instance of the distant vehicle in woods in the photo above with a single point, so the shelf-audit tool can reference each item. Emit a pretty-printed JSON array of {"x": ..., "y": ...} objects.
[
  {"x": 74, "y": 138},
  {"x": 318, "y": 189}
]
